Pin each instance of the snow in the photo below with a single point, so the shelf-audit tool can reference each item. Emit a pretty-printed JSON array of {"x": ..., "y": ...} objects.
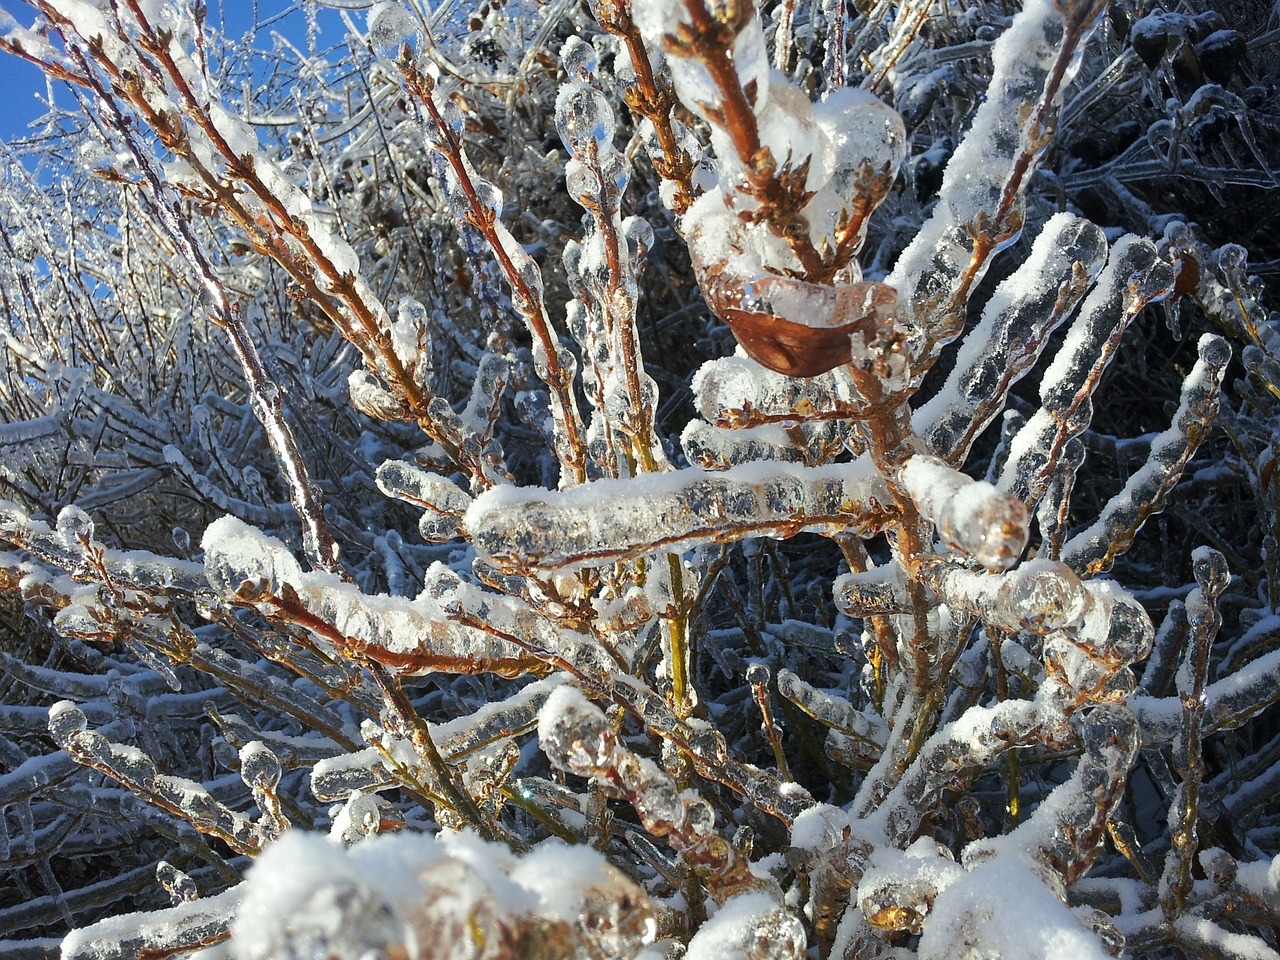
[
  {"x": 748, "y": 926},
  {"x": 1002, "y": 908}
]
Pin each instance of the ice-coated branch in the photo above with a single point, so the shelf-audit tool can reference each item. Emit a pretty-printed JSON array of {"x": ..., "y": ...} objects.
[
  {"x": 243, "y": 565},
  {"x": 1134, "y": 276},
  {"x": 134, "y": 769},
  {"x": 604, "y": 269},
  {"x": 955, "y": 754},
  {"x": 737, "y": 392},
  {"x": 648, "y": 93},
  {"x": 607, "y": 520},
  {"x": 1204, "y": 621},
  {"x": 1094, "y": 549},
  {"x": 319, "y": 545},
  {"x": 70, "y": 546},
  {"x": 577, "y": 738},
  {"x": 1015, "y": 326},
  {"x": 479, "y": 203},
  {"x": 980, "y": 208},
  {"x": 180, "y": 929}
]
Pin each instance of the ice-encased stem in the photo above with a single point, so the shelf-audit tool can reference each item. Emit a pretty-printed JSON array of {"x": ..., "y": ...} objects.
[
  {"x": 1133, "y": 277},
  {"x": 979, "y": 209},
  {"x": 971, "y": 516},
  {"x": 1015, "y": 326},
  {"x": 161, "y": 933},
  {"x": 1066, "y": 832},
  {"x": 1204, "y": 620},
  {"x": 1093, "y": 550},
  {"x": 318, "y": 543},
  {"x": 961, "y": 748},
  {"x": 137, "y": 771},
  {"x": 607, "y": 520}
]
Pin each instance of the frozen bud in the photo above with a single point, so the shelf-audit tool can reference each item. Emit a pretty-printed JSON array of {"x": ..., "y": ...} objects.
[
  {"x": 584, "y": 119},
  {"x": 363, "y": 813},
  {"x": 181, "y": 540},
  {"x": 579, "y": 59},
  {"x": 259, "y": 767},
  {"x": 1232, "y": 258},
  {"x": 65, "y": 720},
  {"x": 180, "y": 887},
  {"x": 616, "y": 917},
  {"x": 787, "y": 126},
  {"x": 862, "y": 136},
  {"x": 74, "y": 526},
  {"x": 391, "y": 26},
  {"x": 1219, "y": 866},
  {"x": 898, "y": 891},
  {"x": 1042, "y": 595},
  {"x": 489, "y": 195},
  {"x": 575, "y": 734},
  {"x": 658, "y": 804},
  {"x": 372, "y": 399}
]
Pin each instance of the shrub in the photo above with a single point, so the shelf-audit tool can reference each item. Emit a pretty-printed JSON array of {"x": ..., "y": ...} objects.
[{"x": 801, "y": 657}]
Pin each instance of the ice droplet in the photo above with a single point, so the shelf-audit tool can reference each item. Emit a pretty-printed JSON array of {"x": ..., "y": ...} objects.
[
  {"x": 65, "y": 720},
  {"x": 259, "y": 766},
  {"x": 579, "y": 59},
  {"x": 391, "y": 27},
  {"x": 74, "y": 526},
  {"x": 583, "y": 119},
  {"x": 575, "y": 734},
  {"x": 858, "y": 128}
]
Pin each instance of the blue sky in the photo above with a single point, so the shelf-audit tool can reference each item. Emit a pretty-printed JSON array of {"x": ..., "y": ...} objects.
[{"x": 21, "y": 83}]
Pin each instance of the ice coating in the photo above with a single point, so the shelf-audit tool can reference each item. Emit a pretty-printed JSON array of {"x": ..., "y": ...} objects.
[
  {"x": 734, "y": 392},
  {"x": 1094, "y": 548},
  {"x": 1014, "y": 329},
  {"x": 608, "y": 519},
  {"x": 1039, "y": 596},
  {"x": 1032, "y": 62},
  {"x": 752, "y": 925}
]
